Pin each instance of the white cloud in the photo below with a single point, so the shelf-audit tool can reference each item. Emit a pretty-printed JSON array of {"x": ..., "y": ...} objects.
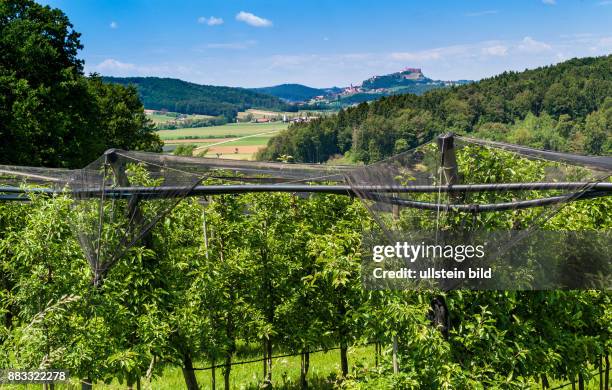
[
  {"x": 112, "y": 65},
  {"x": 252, "y": 20},
  {"x": 549, "y": 2},
  {"x": 113, "y": 25},
  {"x": 530, "y": 45},
  {"x": 471, "y": 60},
  {"x": 496, "y": 50},
  {"x": 212, "y": 21},
  {"x": 482, "y": 13}
]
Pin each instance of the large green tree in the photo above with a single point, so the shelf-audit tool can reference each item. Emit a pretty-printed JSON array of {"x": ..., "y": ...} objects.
[{"x": 50, "y": 114}]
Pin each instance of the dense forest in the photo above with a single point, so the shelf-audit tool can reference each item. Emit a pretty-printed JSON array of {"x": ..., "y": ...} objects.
[
  {"x": 50, "y": 113},
  {"x": 189, "y": 98},
  {"x": 564, "y": 107}
]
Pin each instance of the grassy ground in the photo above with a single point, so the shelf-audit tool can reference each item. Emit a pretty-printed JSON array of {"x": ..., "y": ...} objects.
[
  {"x": 258, "y": 140},
  {"x": 231, "y": 130},
  {"x": 257, "y": 114},
  {"x": 159, "y": 118},
  {"x": 324, "y": 369},
  {"x": 224, "y": 140}
]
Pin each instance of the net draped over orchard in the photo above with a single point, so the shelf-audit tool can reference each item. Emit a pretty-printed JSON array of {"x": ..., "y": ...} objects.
[
  {"x": 414, "y": 196},
  {"x": 220, "y": 258}
]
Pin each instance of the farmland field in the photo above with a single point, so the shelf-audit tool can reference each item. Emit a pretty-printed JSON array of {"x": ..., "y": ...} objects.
[
  {"x": 235, "y": 141},
  {"x": 257, "y": 113},
  {"x": 161, "y": 118},
  {"x": 231, "y": 130}
]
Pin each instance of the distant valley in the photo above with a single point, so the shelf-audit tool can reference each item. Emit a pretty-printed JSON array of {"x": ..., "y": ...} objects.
[
  {"x": 226, "y": 102},
  {"x": 408, "y": 80}
]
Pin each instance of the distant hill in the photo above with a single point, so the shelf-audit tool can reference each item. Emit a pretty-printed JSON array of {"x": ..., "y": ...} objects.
[
  {"x": 409, "y": 80},
  {"x": 562, "y": 107},
  {"x": 407, "y": 77},
  {"x": 293, "y": 92},
  {"x": 189, "y": 98}
]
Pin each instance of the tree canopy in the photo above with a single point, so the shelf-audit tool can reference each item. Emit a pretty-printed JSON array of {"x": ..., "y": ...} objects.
[
  {"x": 190, "y": 98},
  {"x": 564, "y": 107},
  {"x": 50, "y": 113}
]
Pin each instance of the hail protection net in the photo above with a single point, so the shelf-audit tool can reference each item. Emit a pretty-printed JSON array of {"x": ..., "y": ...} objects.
[
  {"x": 455, "y": 213},
  {"x": 534, "y": 219},
  {"x": 15, "y": 181},
  {"x": 122, "y": 195}
]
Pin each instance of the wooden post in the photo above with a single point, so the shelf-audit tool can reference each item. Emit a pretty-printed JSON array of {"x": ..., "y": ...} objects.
[
  {"x": 449, "y": 175},
  {"x": 448, "y": 159},
  {"x": 395, "y": 211}
]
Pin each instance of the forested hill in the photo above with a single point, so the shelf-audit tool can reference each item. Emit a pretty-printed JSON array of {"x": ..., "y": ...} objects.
[
  {"x": 565, "y": 107},
  {"x": 292, "y": 92},
  {"x": 189, "y": 98}
]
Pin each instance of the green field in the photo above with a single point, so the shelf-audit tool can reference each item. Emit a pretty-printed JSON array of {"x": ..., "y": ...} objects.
[
  {"x": 258, "y": 140},
  {"x": 160, "y": 118},
  {"x": 257, "y": 113},
  {"x": 324, "y": 367},
  {"x": 226, "y": 131}
]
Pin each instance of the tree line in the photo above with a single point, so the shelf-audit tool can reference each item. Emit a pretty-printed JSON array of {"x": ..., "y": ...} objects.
[
  {"x": 563, "y": 107},
  {"x": 190, "y": 98}
]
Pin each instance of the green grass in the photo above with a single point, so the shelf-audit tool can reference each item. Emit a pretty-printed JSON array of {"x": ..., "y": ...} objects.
[
  {"x": 324, "y": 368},
  {"x": 231, "y": 129},
  {"x": 259, "y": 140},
  {"x": 162, "y": 118},
  {"x": 285, "y": 371}
]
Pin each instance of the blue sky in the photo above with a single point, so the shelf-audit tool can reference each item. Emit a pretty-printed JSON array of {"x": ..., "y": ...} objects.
[{"x": 332, "y": 42}]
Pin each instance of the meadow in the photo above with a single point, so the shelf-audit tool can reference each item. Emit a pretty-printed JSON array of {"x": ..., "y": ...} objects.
[
  {"x": 234, "y": 140},
  {"x": 158, "y": 117},
  {"x": 230, "y": 130},
  {"x": 254, "y": 113}
]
